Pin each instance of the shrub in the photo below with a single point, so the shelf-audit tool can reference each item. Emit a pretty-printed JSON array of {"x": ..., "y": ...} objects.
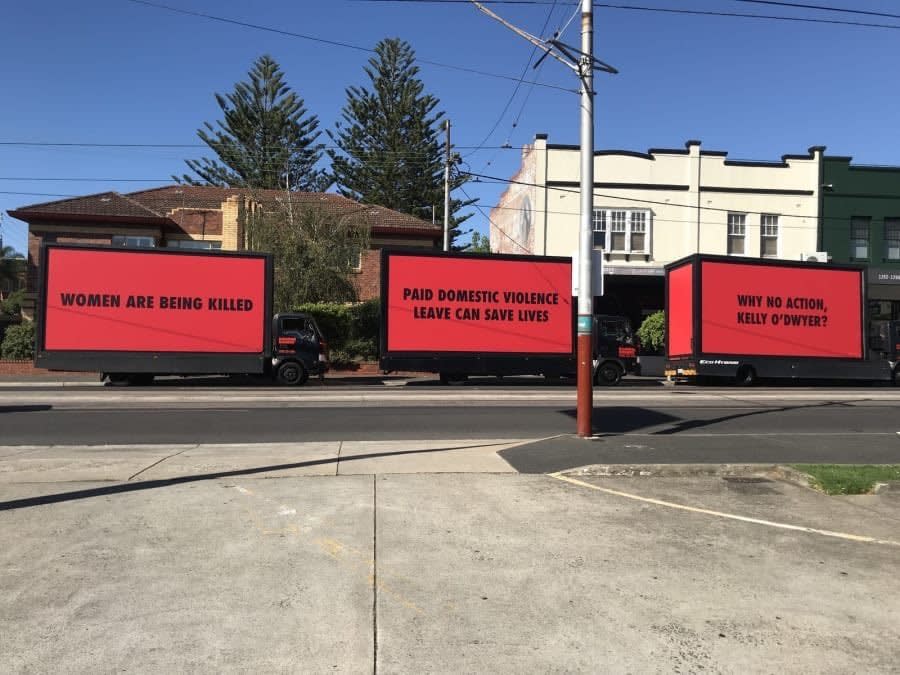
[
  {"x": 18, "y": 344},
  {"x": 652, "y": 333},
  {"x": 333, "y": 319},
  {"x": 13, "y": 304},
  {"x": 351, "y": 330}
]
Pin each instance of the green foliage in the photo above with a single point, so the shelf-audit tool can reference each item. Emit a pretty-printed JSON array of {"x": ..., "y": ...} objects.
[
  {"x": 12, "y": 306},
  {"x": 18, "y": 343},
  {"x": 267, "y": 139},
  {"x": 389, "y": 140},
  {"x": 315, "y": 252},
  {"x": 365, "y": 320},
  {"x": 481, "y": 243},
  {"x": 849, "y": 479},
  {"x": 350, "y": 330},
  {"x": 333, "y": 320},
  {"x": 652, "y": 333}
]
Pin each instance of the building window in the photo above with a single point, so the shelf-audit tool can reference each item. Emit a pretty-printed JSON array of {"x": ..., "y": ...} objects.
[
  {"x": 638, "y": 231},
  {"x": 195, "y": 244},
  {"x": 859, "y": 237},
  {"x": 618, "y": 228},
  {"x": 892, "y": 238},
  {"x": 628, "y": 230},
  {"x": 737, "y": 230},
  {"x": 356, "y": 261},
  {"x": 599, "y": 223},
  {"x": 129, "y": 241},
  {"x": 768, "y": 236}
]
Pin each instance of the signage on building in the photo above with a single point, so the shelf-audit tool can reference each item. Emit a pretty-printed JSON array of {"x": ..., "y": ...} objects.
[{"x": 883, "y": 276}]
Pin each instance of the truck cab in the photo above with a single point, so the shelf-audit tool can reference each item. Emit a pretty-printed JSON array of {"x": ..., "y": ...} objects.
[
  {"x": 615, "y": 349},
  {"x": 299, "y": 348}
]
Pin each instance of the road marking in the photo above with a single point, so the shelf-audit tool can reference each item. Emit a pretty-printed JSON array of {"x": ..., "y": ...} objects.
[{"x": 730, "y": 516}]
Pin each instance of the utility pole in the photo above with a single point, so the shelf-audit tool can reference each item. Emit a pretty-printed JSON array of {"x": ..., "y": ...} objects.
[
  {"x": 446, "y": 191},
  {"x": 584, "y": 336},
  {"x": 581, "y": 61}
]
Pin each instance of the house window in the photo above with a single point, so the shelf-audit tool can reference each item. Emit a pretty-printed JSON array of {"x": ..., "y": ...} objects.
[
  {"x": 599, "y": 226},
  {"x": 356, "y": 262},
  {"x": 622, "y": 231},
  {"x": 892, "y": 238},
  {"x": 129, "y": 241},
  {"x": 859, "y": 237},
  {"x": 618, "y": 228},
  {"x": 768, "y": 236},
  {"x": 195, "y": 244},
  {"x": 737, "y": 230},
  {"x": 638, "y": 231}
]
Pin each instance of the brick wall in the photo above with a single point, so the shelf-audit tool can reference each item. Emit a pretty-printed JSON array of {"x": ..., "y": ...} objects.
[
  {"x": 368, "y": 280},
  {"x": 23, "y": 368}
]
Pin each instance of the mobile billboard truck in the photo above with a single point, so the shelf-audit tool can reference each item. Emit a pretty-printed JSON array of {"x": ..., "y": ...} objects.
[
  {"x": 133, "y": 314},
  {"x": 745, "y": 319},
  {"x": 462, "y": 314}
]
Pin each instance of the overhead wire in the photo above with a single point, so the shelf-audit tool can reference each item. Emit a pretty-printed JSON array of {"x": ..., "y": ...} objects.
[{"x": 333, "y": 43}]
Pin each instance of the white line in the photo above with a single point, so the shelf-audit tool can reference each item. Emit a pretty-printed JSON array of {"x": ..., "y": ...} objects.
[{"x": 730, "y": 516}]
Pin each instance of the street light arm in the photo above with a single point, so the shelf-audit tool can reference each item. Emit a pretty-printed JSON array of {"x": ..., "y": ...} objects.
[{"x": 536, "y": 41}]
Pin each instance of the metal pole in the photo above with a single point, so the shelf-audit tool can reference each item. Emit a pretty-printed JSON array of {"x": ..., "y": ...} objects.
[
  {"x": 447, "y": 193},
  {"x": 585, "y": 288}
]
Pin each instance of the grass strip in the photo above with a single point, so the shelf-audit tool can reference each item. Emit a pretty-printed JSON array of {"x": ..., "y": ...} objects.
[{"x": 849, "y": 479}]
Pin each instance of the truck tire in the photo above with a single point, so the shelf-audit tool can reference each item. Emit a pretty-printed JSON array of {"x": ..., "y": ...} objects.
[
  {"x": 895, "y": 376},
  {"x": 746, "y": 376},
  {"x": 608, "y": 374},
  {"x": 453, "y": 378},
  {"x": 291, "y": 374}
]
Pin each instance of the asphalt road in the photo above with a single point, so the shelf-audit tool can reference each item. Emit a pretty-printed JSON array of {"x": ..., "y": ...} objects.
[{"x": 633, "y": 425}]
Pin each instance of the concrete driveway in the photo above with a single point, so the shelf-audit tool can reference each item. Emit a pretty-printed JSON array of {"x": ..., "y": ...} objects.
[{"x": 446, "y": 573}]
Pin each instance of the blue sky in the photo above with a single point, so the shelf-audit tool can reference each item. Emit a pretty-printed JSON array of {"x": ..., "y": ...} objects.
[{"x": 112, "y": 71}]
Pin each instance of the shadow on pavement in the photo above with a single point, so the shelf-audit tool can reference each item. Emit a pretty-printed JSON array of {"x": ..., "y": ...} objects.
[{"x": 138, "y": 486}]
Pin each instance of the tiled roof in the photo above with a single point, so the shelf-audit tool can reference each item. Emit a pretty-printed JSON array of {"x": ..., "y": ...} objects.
[
  {"x": 103, "y": 204},
  {"x": 160, "y": 202}
]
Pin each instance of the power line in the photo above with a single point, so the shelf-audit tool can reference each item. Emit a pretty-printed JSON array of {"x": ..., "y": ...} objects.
[
  {"x": 52, "y": 144},
  {"x": 495, "y": 179},
  {"x": 664, "y": 10},
  {"x": 822, "y": 8},
  {"x": 333, "y": 43},
  {"x": 518, "y": 84}
]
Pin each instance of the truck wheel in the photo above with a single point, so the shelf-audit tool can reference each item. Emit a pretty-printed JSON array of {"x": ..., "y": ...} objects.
[
  {"x": 608, "y": 375},
  {"x": 118, "y": 379},
  {"x": 895, "y": 377},
  {"x": 746, "y": 376},
  {"x": 453, "y": 378},
  {"x": 291, "y": 374}
]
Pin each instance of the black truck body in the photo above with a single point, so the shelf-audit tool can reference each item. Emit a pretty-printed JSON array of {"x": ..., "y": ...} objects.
[
  {"x": 744, "y": 319},
  {"x": 132, "y": 314},
  {"x": 462, "y": 314}
]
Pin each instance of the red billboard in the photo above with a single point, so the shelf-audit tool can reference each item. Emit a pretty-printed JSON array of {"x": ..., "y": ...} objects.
[
  {"x": 771, "y": 310},
  {"x": 465, "y": 304},
  {"x": 680, "y": 317},
  {"x": 145, "y": 301}
]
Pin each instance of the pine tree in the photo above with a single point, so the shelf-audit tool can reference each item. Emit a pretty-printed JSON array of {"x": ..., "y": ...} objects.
[
  {"x": 267, "y": 139},
  {"x": 389, "y": 150}
]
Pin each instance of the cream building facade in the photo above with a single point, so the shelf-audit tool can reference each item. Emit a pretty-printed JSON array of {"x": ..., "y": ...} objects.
[{"x": 656, "y": 207}]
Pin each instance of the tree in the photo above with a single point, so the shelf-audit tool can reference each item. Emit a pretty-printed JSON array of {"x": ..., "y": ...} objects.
[
  {"x": 652, "y": 333},
  {"x": 316, "y": 252},
  {"x": 266, "y": 141},
  {"x": 9, "y": 262},
  {"x": 481, "y": 243},
  {"x": 389, "y": 149}
]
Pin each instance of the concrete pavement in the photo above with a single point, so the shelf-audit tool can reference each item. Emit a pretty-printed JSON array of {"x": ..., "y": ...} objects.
[{"x": 443, "y": 573}]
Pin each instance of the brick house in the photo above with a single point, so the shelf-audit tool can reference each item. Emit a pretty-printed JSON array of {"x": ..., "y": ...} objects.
[{"x": 206, "y": 218}]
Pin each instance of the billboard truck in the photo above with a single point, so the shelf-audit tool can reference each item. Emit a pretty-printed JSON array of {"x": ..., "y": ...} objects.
[
  {"x": 462, "y": 314},
  {"x": 746, "y": 319},
  {"x": 133, "y": 314}
]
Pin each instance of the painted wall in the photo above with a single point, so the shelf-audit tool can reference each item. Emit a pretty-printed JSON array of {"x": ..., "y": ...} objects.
[{"x": 665, "y": 182}]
